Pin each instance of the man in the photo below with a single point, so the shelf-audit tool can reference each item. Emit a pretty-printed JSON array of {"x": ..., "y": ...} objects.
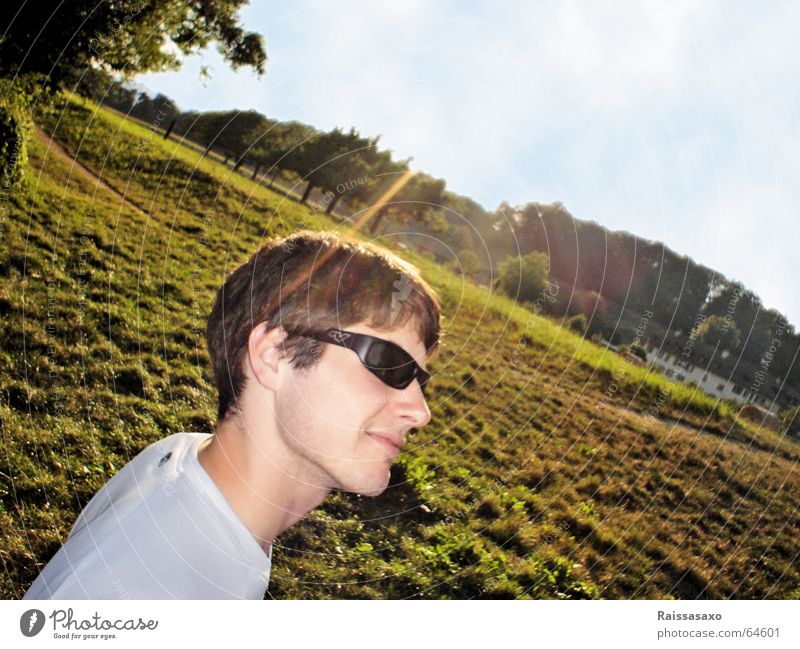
[{"x": 319, "y": 347}]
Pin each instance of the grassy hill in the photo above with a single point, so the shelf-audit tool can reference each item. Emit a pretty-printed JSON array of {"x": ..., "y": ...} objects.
[{"x": 552, "y": 468}]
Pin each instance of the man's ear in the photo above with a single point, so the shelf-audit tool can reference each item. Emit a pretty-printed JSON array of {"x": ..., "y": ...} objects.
[{"x": 265, "y": 351}]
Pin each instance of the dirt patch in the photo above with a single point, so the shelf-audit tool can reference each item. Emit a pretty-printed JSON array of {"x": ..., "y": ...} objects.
[{"x": 80, "y": 169}]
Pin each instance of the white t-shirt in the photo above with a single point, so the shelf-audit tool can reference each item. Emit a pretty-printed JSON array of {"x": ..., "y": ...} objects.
[{"x": 159, "y": 529}]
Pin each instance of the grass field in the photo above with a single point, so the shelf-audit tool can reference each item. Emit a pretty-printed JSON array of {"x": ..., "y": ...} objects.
[{"x": 551, "y": 467}]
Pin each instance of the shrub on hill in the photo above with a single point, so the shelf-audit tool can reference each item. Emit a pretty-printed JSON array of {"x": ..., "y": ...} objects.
[
  {"x": 524, "y": 278},
  {"x": 15, "y": 127}
]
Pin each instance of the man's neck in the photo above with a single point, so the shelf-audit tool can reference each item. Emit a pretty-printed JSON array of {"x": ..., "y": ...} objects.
[{"x": 258, "y": 483}]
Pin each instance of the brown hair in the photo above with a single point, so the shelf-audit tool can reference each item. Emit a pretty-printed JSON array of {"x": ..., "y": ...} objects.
[{"x": 312, "y": 281}]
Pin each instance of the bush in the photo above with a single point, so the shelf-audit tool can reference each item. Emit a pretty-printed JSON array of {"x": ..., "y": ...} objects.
[
  {"x": 15, "y": 127},
  {"x": 633, "y": 352},
  {"x": 578, "y": 324},
  {"x": 524, "y": 278},
  {"x": 790, "y": 421},
  {"x": 17, "y": 98},
  {"x": 716, "y": 330},
  {"x": 467, "y": 263}
]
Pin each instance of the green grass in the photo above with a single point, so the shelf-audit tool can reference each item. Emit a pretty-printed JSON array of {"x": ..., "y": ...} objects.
[{"x": 542, "y": 473}]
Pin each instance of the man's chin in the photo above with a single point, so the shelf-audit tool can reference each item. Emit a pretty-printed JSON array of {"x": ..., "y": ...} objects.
[
  {"x": 372, "y": 493},
  {"x": 369, "y": 487}
]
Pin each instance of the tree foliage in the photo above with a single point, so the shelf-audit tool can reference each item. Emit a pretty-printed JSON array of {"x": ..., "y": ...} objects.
[
  {"x": 127, "y": 36},
  {"x": 234, "y": 133},
  {"x": 790, "y": 421},
  {"x": 277, "y": 143},
  {"x": 524, "y": 278},
  {"x": 466, "y": 263},
  {"x": 17, "y": 97},
  {"x": 328, "y": 160},
  {"x": 420, "y": 199},
  {"x": 15, "y": 127},
  {"x": 716, "y": 331}
]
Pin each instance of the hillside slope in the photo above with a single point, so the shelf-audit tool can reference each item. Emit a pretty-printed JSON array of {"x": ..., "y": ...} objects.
[{"x": 551, "y": 468}]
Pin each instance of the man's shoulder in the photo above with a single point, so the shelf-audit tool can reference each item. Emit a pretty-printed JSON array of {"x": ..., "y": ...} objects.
[
  {"x": 176, "y": 443},
  {"x": 151, "y": 533},
  {"x": 163, "y": 457},
  {"x": 141, "y": 479}
]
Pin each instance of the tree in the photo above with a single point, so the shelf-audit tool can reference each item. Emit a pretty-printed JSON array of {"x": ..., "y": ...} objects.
[
  {"x": 459, "y": 237},
  {"x": 327, "y": 160},
  {"x": 16, "y": 96},
  {"x": 143, "y": 108},
  {"x": 233, "y": 132},
  {"x": 377, "y": 173},
  {"x": 415, "y": 201},
  {"x": 578, "y": 323},
  {"x": 466, "y": 263},
  {"x": 105, "y": 89},
  {"x": 159, "y": 111},
  {"x": 241, "y": 132},
  {"x": 524, "y": 278},
  {"x": 164, "y": 109},
  {"x": 277, "y": 144},
  {"x": 671, "y": 285},
  {"x": 126, "y": 36},
  {"x": 204, "y": 128},
  {"x": 719, "y": 331},
  {"x": 485, "y": 231}
]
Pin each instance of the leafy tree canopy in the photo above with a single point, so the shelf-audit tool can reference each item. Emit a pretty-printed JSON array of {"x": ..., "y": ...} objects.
[
  {"x": 524, "y": 278},
  {"x": 57, "y": 38},
  {"x": 333, "y": 158},
  {"x": 719, "y": 331}
]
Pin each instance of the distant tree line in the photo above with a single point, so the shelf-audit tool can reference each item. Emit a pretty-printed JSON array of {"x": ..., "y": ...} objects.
[
  {"x": 606, "y": 277},
  {"x": 341, "y": 164},
  {"x": 614, "y": 277}
]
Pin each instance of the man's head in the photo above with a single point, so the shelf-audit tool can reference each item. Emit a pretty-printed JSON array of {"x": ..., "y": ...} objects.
[{"x": 339, "y": 418}]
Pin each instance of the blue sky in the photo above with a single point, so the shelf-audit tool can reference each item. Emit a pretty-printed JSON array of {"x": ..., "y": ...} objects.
[{"x": 677, "y": 121}]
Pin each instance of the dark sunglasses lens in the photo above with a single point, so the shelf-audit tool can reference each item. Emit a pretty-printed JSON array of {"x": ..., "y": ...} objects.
[
  {"x": 423, "y": 378},
  {"x": 390, "y": 364}
]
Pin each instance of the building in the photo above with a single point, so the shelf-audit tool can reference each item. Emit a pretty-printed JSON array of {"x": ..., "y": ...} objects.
[{"x": 671, "y": 363}]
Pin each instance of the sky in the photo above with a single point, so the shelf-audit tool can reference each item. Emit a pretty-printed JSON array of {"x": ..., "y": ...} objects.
[{"x": 677, "y": 121}]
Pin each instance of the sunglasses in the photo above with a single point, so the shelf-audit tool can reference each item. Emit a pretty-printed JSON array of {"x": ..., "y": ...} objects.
[{"x": 389, "y": 362}]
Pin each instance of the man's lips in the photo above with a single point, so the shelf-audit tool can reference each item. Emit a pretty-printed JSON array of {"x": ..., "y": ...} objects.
[{"x": 387, "y": 443}]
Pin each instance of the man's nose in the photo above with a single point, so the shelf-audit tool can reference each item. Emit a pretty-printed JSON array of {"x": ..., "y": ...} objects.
[{"x": 413, "y": 407}]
